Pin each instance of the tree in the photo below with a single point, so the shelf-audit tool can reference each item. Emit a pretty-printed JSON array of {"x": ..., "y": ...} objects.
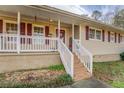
[
  {"x": 119, "y": 18},
  {"x": 96, "y": 14}
]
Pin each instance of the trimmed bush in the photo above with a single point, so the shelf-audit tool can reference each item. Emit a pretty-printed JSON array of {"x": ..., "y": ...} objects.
[{"x": 122, "y": 56}]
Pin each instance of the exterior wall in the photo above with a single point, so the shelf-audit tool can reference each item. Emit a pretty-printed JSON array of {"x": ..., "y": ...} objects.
[
  {"x": 106, "y": 58},
  {"x": 100, "y": 48},
  {"x": 52, "y": 26},
  {"x": 76, "y": 32},
  {"x": 14, "y": 62}
]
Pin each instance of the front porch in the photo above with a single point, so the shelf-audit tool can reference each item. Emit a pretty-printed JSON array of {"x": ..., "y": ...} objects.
[{"x": 23, "y": 32}]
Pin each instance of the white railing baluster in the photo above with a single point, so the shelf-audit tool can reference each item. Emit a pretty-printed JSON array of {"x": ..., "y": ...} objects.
[
  {"x": 66, "y": 57},
  {"x": 27, "y": 43},
  {"x": 84, "y": 55}
]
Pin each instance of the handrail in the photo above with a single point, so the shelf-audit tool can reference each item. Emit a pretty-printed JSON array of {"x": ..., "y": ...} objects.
[
  {"x": 84, "y": 55},
  {"x": 66, "y": 57}
]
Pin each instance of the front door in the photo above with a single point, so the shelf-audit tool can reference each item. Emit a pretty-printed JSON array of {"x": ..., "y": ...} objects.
[{"x": 62, "y": 35}]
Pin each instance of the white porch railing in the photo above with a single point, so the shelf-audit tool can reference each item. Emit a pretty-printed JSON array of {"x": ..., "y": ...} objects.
[
  {"x": 9, "y": 43},
  {"x": 66, "y": 57},
  {"x": 35, "y": 43},
  {"x": 84, "y": 55}
]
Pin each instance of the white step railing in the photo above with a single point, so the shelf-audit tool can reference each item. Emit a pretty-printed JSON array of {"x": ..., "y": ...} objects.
[
  {"x": 9, "y": 43},
  {"x": 66, "y": 57},
  {"x": 84, "y": 55}
]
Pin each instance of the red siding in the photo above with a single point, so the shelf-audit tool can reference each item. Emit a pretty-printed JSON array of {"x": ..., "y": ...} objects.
[
  {"x": 103, "y": 35},
  {"x": 87, "y": 32},
  {"x": 29, "y": 29},
  {"x": 1, "y": 26},
  {"x": 108, "y": 36}
]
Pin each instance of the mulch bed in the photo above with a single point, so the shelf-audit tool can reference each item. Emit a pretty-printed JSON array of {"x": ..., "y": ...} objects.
[{"x": 27, "y": 76}]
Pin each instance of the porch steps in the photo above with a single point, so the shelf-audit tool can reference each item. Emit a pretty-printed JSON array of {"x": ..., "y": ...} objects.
[{"x": 80, "y": 72}]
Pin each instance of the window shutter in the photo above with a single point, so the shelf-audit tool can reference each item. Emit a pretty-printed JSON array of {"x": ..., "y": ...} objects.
[
  {"x": 108, "y": 36},
  {"x": 115, "y": 37},
  {"x": 1, "y": 26},
  {"x": 103, "y": 35},
  {"x": 22, "y": 29},
  {"x": 29, "y": 32},
  {"x": 46, "y": 31},
  {"x": 87, "y": 32},
  {"x": 118, "y": 38},
  {"x": 29, "y": 29}
]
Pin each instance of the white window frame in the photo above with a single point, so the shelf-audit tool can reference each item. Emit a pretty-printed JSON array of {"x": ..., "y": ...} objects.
[
  {"x": 9, "y": 21},
  {"x": 35, "y": 36},
  {"x": 122, "y": 41},
  {"x": 34, "y": 25},
  {"x": 95, "y": 34},
  {"x": 113, "y": 37}
]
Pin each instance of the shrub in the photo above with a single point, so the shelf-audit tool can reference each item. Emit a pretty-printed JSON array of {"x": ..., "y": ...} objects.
[
  {"x": 56, "y": 67},
  {"x": 122, "y": 56}
]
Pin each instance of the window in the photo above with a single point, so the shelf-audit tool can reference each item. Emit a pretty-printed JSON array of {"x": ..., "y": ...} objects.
[
  {"x": 112, "y": 37},
  {"x": 11, "y": 28},
  {"x": 95, "y": 34},
  {"x": 122, "y": 39},
  {"x": 98, "y": 34},
  {"x": 38, "y": 31},
  {"x": 92, "y": 34}
]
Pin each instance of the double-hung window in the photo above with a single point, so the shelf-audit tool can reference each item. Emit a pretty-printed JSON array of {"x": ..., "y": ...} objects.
[
  {"x": 95, "y": 34},
  {"x": 92, "y": 34},
  {"x": 122, "y": 39},
  {"x": 112, "y": 37},
  {"x": 11, "y": 28},
  {"x": 98, "y": 35},
  {"x": 38, "y": 31}
]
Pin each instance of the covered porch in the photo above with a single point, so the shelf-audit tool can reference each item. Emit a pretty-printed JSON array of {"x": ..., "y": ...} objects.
[
  {"x": 39, "y": 29},
  {"x": 30, "y": 29}
]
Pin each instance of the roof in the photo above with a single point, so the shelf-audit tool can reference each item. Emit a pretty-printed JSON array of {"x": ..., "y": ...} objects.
[{"x": 63, "y": 12}]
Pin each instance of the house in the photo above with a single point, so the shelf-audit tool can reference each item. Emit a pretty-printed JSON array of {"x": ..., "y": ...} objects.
[{"x": 38, "y": 36}]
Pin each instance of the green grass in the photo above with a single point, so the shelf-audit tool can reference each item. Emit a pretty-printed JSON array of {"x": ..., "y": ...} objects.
[
  {"x": 110, "y": 72},
  {"x": 56, "y": 67}
]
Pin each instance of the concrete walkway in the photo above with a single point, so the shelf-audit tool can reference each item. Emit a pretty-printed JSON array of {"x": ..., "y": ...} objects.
[{"x": 90, "y": 83}]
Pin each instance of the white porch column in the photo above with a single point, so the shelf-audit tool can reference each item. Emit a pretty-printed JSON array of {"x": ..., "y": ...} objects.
[
  {"x": 59, "y": 29},
  {"x": 18, "y": 32},
  {"x": 72, "y": 37}
]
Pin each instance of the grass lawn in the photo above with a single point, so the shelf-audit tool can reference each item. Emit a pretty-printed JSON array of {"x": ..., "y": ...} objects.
[
  {"x": 110, "y": 72},
  {"x": 53, "y": 76}
]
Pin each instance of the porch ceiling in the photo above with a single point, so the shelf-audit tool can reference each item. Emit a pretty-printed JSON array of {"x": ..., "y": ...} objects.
[{"x": 39, "y": 12}]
